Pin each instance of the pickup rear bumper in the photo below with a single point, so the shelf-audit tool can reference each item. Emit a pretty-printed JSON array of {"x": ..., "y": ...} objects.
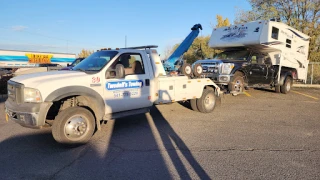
[{"x": 31, "y": 115}]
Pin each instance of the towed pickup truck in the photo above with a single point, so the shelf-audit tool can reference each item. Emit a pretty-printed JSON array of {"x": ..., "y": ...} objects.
[
  {"x": 108, "y": 84},
  {"x": 265, "y": 54}
]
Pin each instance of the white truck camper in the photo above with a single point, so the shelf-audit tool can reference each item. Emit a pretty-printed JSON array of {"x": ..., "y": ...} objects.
[
  {"x": 108, "y": 84},
  {"x": 262, "y": 53}
]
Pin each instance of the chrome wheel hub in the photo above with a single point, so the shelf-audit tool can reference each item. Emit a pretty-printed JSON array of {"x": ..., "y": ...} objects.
[
  {"x": 76, "y": 127},
  {"x": 209, "y": 101},
  {"x": 238, "y": 86},
  {"x": 288, "y": 86}
]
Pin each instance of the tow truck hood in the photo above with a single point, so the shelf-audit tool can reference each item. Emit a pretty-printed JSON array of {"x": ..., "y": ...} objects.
[{"x": 50, "y": 78}]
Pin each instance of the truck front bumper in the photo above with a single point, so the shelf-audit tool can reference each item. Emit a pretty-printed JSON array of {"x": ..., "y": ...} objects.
[
  {"x": 31, "y": 115},
  {"x": 219, "y": 79}
]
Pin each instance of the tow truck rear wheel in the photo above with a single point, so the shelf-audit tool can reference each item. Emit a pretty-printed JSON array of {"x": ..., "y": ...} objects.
[
  {"x": 193, "y": 104},
  {"x": 73, "y": 126},
  {"x": 207, "y": 102}
]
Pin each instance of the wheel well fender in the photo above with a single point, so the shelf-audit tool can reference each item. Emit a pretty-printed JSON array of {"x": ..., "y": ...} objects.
[
  {"x": 96, "y": 101},
  {"x": 243, "y": 75},
  {"x": 284, "y": 76}
]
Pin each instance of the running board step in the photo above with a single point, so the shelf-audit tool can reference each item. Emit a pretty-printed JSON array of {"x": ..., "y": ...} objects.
[{"x": 125, "y": 114}]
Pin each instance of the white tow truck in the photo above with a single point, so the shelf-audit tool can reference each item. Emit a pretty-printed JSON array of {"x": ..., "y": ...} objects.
[{"x": 106, "y": 85}]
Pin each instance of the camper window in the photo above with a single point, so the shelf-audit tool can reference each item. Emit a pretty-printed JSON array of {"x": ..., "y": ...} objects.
[
  {"x": 288, "y": 43},
  {"x": 275, "y": 33}
]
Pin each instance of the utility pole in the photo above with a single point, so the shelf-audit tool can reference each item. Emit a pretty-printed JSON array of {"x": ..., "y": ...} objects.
[{"x": 125, "y": 41}]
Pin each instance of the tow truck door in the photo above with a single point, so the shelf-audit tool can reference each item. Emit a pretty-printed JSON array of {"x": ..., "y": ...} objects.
[{"x": 132, "y": 91}]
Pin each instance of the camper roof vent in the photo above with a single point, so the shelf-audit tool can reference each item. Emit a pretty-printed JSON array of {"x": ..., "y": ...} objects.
[{"x": 275, "y": 19}]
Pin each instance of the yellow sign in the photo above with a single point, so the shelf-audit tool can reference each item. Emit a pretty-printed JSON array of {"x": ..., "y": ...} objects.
[{"x": 39, "y": 58}]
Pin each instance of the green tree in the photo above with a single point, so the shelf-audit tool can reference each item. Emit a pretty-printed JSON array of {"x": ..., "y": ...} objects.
[
  {"x": 303, "y": 15},
  {"x": 84, "y": 53}
]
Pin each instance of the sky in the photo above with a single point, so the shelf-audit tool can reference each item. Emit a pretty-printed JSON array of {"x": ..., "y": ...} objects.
[{"x": 67, "y": 26}]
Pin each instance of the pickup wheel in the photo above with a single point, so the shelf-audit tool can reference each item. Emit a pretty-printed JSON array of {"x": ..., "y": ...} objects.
[
  {"x": 285, "y": 88},
  {"x": 237, "y": 85},
  {"x": 207, "y": 102},
  {"x": 277, "y": 89},
  {"x": 73, "y": 126}
]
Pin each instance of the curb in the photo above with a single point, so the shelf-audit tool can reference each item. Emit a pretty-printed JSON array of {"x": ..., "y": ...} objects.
[{"x": 307, "y": 85}]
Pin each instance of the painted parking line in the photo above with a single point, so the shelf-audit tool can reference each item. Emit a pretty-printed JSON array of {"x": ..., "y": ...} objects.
[
  {"x": 247, "y": 94},
  {"x": 305, "y": 95}
]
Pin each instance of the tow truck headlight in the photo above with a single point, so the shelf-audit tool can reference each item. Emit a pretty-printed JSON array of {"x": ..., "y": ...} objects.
[
  {"x": 32, "y": 95},
  {"x": 226, "y": 68}
]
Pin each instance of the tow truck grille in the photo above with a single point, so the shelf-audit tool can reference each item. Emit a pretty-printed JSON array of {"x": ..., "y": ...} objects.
[{"x": 15, "y": 91}]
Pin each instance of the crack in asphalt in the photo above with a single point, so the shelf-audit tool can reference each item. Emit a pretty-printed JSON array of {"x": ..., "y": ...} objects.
[{"x": 82, "y": 153}]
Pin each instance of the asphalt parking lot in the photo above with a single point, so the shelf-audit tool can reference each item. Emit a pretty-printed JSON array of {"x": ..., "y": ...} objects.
[{"x": 256, "y": 135}]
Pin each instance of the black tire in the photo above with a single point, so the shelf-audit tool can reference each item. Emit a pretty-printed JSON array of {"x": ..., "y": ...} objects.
[
  {"x": 186, "y": 69},
  {"x": 286, "y": 87},
  {"x": 197, "y": 70},
  {"x": 277, "y": 89},
  {"x": 237, "y": 84},
  {"x": 69, "y": 123},
  {"x": 193, "y": 104},
  {"x": 207, "y": 102}
]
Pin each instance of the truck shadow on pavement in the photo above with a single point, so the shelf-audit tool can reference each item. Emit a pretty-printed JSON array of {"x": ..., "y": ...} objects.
[{"x": 143, "y": 146}]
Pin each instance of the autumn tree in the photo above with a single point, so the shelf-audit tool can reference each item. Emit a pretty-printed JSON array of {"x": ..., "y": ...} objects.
[
  {"x": 220, "y": 22},
  {"x": 303, "y": 15},
  {"x": 84, "y": 53}
]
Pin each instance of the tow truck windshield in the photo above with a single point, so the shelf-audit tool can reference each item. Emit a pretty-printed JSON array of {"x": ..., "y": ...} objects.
[
  {"x": 233, "y": 55},
  {"x": 96, "y": 61}
]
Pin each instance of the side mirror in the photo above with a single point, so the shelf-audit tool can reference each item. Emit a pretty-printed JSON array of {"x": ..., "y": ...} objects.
[{"x": 68, "y": 65}]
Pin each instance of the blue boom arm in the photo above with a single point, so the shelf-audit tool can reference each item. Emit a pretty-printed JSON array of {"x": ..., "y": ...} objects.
[{"x": 183, "y": 47}]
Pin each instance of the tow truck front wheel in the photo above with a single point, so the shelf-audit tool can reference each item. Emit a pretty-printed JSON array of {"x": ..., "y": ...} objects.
[
  {"x": 73, "y": 126},
  {"x": 207, "y": 102}
]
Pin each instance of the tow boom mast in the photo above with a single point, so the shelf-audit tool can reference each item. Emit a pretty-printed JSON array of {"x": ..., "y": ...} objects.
[{"x": 183, "y": 47}]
